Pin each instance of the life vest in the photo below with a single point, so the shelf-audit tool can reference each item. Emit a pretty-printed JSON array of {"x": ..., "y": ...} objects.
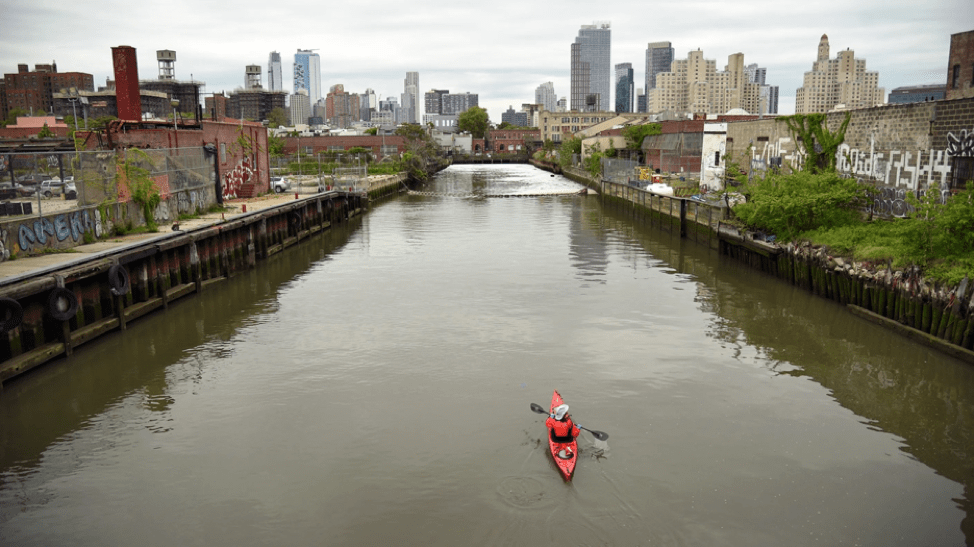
[{"x": 569, "y": 429}]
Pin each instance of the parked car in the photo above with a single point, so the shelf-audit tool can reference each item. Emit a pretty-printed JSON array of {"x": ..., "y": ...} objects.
[
  {"x": 52, "y": 187},
  {"x": 25, "y": 190},
  {"x": 70, "y": 191},
  {"x": 280, "y": 184}
]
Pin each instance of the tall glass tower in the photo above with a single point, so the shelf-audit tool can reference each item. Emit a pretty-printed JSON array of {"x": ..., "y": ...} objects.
[
  {"x": 274, "y": 81},
  {"x": 591, "y": 71},
  {"x": 307, "y": 74},
  {"x": 625, "y": 87},
  {"x": 410, "y": 98}
]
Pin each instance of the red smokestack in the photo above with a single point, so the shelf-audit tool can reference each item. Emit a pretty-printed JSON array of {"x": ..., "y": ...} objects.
[{"x": 127, "y": 83}]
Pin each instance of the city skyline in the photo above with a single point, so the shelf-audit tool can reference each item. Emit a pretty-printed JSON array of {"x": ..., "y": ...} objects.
[{"x": 452, "y": 59}]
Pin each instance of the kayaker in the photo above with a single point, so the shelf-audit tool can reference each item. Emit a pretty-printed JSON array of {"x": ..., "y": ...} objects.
[{"x": 563, "y": 429}]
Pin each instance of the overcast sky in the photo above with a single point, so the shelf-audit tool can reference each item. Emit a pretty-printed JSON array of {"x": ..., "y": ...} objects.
[{"x": 502, "y": 49}]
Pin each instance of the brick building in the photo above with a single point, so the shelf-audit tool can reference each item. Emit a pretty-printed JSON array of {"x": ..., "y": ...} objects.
[
  {"x": 254, "y": 104},
  {"x": 679, "y": 146},
  {"x": 104, "y": 103},
  {"x": 215, "y": 106},
  {"x": 341, "y": 107},
  {"x": 34, "y": 90},
  {"x": 29, "y": 126},
  {"x": 960, "y": 66},
  {"x": 381, "y": 146},
  {"x": 239, "y": 148},
  {"x": 840, "y": 81},
  {"x": 513, "y": 141}
]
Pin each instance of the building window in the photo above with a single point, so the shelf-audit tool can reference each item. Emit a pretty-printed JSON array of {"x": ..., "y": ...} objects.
[
  {"x": 956, "y": 77},
  {"x": 717, "y": 157},
  {"x": 223, "y": 152}
]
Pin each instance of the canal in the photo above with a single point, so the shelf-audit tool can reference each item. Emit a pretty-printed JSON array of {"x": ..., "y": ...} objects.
[{"x": 372, "y": 386}]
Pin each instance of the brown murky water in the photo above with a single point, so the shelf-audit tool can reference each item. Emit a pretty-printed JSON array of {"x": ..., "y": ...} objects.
[{"x": 373, "y": 387}]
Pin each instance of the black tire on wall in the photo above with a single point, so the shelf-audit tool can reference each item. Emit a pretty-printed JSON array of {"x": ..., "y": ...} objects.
[
  {"x": 62, "y": 304},
  {"x": 118, "y": 279},
  {"x": 11, "y": 314}
]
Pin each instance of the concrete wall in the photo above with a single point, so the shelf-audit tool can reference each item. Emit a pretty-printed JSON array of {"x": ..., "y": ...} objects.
[{"x": 900, "y": 148}]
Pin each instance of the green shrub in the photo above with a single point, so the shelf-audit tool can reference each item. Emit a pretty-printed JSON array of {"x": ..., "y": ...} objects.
[{"x": 787, "y": 205}]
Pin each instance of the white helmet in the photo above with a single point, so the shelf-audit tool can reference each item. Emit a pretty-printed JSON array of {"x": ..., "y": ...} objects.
[{"x": 560, "y": 411}]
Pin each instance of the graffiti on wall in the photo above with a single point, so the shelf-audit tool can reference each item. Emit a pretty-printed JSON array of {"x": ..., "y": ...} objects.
[
  {"x": 44, "y": 231},
  {"x": 774, "y": 154},
  {"x": 895, "y": 173},
  {"x": 962, "y": 145},
  {"x": 4, "y": 249},
  {"x": 190, "y": 202},
  {"x": 235, "y": 179}
]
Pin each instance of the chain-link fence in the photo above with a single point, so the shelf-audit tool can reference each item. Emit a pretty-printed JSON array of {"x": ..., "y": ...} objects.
[
  {"x": 356, "y": 178},
  {"x": 49, "y": 180},
  {"x": 619, "y": 170}
]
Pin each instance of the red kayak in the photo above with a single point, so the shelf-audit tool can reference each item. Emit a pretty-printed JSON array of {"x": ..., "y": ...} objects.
[{"x": 564, "y": 454}]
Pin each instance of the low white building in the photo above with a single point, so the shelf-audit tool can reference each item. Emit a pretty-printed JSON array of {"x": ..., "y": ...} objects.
[
  {"x": 458, "y": 143},
  {"x": 712, "y": 160}
]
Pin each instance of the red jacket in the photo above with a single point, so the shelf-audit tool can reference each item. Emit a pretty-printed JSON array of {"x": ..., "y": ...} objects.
[{"x": 563, "y": 428}]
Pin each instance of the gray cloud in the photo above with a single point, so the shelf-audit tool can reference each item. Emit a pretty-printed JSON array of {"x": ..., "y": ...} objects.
[{"x": 502, "y": 51}]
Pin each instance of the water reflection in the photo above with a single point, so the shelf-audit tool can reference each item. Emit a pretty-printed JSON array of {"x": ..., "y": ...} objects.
[{"x": 921, "y": 396}]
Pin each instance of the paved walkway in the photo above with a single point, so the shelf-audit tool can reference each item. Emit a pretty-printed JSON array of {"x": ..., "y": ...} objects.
[{"x": 23, "y": 266}]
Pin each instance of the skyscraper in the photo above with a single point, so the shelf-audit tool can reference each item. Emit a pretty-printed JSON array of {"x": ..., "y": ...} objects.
[
  {"x": 694, "y": 85},
  {"x": 369, "y": 104},
  {"x": 591, "y": 70},
  {"x": 307, "y": 73},
  {"x": 769, "y": 93},
  {"x": 659, "y": 58},
  {"x": 625, "y": 87},
  {"x": 274, "y": 81},
  {"x": 300, "y": 107},
  {"x": 843, "y": 80},
  {"x": 545, "y": 96},
  {"x": 434, "y": 100},
  {"x": 412, "y": 110}
]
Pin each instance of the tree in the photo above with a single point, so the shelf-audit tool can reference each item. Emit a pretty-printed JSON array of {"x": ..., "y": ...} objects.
[
  {"x": 420, "y": 149},
  {"x": 568, "y": 149},
  {"x": 820, "y": 144},
  {"x": 474, "y": 120},
  {"x": 46, "y": 133},
  {"x": 372, "y": 131},
  {"x": 275, "y": 145},
  {"x": 276, "y": 118},
  {"x": 12, "y": 116},
  {"x": 504, "y": 125}
]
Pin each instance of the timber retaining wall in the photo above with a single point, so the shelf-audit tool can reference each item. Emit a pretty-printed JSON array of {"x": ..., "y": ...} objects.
[{"x": 48, "y": 314}]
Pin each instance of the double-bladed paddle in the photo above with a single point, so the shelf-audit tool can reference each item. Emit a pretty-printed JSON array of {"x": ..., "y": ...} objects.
[{"x": 600, "y": 435}]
